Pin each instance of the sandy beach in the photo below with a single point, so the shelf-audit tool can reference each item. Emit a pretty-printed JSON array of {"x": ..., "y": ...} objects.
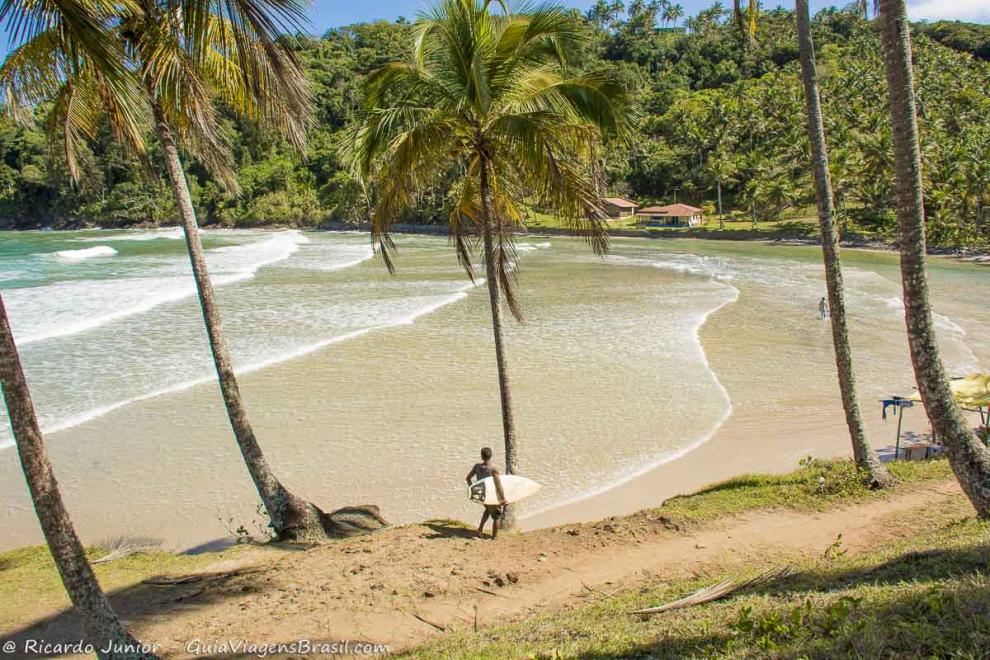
[
  {"x": 761, "y": 435},
  {"x": 665, "y": 368}
]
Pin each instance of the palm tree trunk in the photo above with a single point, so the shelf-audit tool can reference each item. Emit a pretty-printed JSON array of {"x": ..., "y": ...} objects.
[
  {"x": 718, "y": 187},
  {"x": 100, "y": 623},
  {"x": 969, "y": 458},
  {"x": 866, "y": 458},
  {"x": 292, "y": 518},
  {"x": 495, "y": 302}
]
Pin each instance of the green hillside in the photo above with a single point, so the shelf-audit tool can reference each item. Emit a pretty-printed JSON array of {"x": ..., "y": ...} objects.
[{"x": 714, "y": 109}]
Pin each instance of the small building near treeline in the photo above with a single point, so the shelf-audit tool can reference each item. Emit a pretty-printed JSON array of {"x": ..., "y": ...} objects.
[
  {"x": 672, "y": 215},
  {"x": 619, "y": 207}
]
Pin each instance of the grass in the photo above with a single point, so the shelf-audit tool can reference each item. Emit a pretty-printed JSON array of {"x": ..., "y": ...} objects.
[
  {"x": 815, "y": 486},
  {"x": 925, "y": 596},
  {"x": 800, "y": 223},
  {"x": 30, "y": 585}
]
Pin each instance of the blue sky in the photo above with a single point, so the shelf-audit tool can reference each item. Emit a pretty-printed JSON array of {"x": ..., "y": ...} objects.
[
  {"x": 331, "y": 13},
  {"x": 325, "y": 14}
]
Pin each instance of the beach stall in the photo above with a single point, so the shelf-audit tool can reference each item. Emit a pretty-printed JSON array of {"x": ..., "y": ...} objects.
[
  {"x": 972, "y": 393},
  {"x": 898, "y": 404}
]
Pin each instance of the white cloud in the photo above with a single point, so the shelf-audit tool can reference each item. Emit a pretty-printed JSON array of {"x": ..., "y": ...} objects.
[{"x": 977, "y": 11}]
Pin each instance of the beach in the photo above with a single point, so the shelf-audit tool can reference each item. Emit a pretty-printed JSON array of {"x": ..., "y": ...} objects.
[{"x": 636, "y": 378}]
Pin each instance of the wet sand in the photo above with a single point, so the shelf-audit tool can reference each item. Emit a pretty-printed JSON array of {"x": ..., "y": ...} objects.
[
  {"x": 396, "y": 416},
  {"x": 774, "y": 424}
]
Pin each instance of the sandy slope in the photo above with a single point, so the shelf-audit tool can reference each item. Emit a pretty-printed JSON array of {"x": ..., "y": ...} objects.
[{"x": 402, "y": 586}]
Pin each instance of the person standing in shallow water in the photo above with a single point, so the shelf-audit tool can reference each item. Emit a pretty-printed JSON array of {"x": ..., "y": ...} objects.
[
  {"x": 823, "y": 309},
  {"x": 480, "y": 471}
]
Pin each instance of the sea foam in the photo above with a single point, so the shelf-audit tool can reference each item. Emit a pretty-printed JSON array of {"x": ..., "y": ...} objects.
[
  {"x": 72, "y": 306},
  {"x": 73, "y": 256}
]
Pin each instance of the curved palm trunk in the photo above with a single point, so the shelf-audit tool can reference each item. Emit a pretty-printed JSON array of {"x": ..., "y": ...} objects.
[
  {"x": 100, "y": 623},
  {"x": 495, "y": 302},
  {"x": 969, "y": 458},
  {"x": 864, "y": 455},
  {"x": 292, "y": 518}
]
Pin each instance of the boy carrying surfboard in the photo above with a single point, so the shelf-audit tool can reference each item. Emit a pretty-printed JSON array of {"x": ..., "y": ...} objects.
[{"x": 480, "y": 471}]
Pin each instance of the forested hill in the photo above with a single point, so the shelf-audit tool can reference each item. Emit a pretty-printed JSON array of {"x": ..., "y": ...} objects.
[{"x": 715, "y": 108}]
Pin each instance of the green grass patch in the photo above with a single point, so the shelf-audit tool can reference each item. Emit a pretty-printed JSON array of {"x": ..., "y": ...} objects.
[
  {"x": 816, "y": 485},
  {"x": 798, "y": 226},
  {"x": 30, "y": 583},
  {"x": 926, "y": 596}
]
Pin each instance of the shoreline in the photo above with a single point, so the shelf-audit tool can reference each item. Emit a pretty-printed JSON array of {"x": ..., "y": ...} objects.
[
  {"x": 753, "y": 440},
  {"x": 974, "y": 254}
]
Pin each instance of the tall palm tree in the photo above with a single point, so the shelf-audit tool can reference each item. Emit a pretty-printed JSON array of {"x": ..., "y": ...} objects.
[
  {"x": 863, "y": 454},
  {"x": 970, "y": 460},
  {"x": 489, "y": 97},
  {"x": 82, "y": 23},
  {"x": 721, "y": 168},
  {"x": 186, "y": 55},
  {"x": 746, "y": 19},
  {"x": 101, "y": 625}
]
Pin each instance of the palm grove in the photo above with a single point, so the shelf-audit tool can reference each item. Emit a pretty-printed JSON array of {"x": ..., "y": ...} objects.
[
  {"x": 486, "y": 112},
  {"x": 719, "y": 114}
]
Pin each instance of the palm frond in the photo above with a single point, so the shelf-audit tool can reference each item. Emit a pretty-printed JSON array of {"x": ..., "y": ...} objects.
[
  {"x": 476, "y": 89},
  {"x": 84, "y": 33}
]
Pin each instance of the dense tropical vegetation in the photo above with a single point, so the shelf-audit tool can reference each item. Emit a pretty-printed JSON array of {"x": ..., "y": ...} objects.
[{"x": 720, "y": 112}]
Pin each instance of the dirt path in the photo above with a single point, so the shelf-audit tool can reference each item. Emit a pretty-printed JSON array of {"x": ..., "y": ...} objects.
[{"x": 402, "y": 586}]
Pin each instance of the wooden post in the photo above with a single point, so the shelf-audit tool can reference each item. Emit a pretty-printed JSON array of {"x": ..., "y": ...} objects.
[{"x": 900, "y": 418}]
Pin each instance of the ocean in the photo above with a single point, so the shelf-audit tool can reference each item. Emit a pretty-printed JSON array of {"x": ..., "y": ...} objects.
[{"x": 370, "y": 387}]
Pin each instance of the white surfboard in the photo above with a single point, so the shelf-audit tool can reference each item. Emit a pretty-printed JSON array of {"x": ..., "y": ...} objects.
[{"x": 514, "y": 487}]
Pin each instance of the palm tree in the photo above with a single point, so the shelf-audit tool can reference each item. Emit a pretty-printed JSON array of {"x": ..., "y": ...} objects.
[
  {"x": 970, "y": 460},
  {"x": 100, "y": 623},
  {"x": 489, "y": 97},
  {"x": 866, "y": 459},
  {"x": 722, "y": 169},
  {"x": 185, "y": 55},
  {"x": 746, "y": 20}
]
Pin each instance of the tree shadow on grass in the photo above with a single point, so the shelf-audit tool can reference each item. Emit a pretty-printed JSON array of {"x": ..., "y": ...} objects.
[
  {"x": 938, "y": 620},
  {"x": 143, "y": 602},
  {"x": 937, "y": 623},
  {"x": 921, "y": 566}
]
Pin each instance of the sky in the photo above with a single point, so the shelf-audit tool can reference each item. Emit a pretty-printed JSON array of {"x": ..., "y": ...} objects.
[
  {"x": 331, "y": 13},
  {"x": 326, "y": 14}
]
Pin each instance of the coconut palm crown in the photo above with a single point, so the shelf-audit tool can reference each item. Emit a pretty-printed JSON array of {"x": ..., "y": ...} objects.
[
  {"x": 173, "y": 58},
  {"x": 488, "y": 100}
]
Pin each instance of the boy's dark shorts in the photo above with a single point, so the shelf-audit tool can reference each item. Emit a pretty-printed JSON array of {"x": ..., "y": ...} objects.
[{"x": 494, "y": 510}]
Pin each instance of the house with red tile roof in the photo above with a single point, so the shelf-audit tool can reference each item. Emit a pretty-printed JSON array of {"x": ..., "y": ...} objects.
[{"x": 672, "y": 215}]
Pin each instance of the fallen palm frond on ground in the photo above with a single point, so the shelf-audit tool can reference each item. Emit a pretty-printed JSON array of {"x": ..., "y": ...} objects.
[
  {"x": 127, "y": 546},
  {"x": 723, "y": 589}
]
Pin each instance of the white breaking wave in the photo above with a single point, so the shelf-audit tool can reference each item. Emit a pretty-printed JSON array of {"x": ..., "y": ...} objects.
[
  {"x": 343, "y": 256},
  {"x": 66, "y": 308},
  {"x": 72, "y": 256},
  {"x": 433, "y": 304}
]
